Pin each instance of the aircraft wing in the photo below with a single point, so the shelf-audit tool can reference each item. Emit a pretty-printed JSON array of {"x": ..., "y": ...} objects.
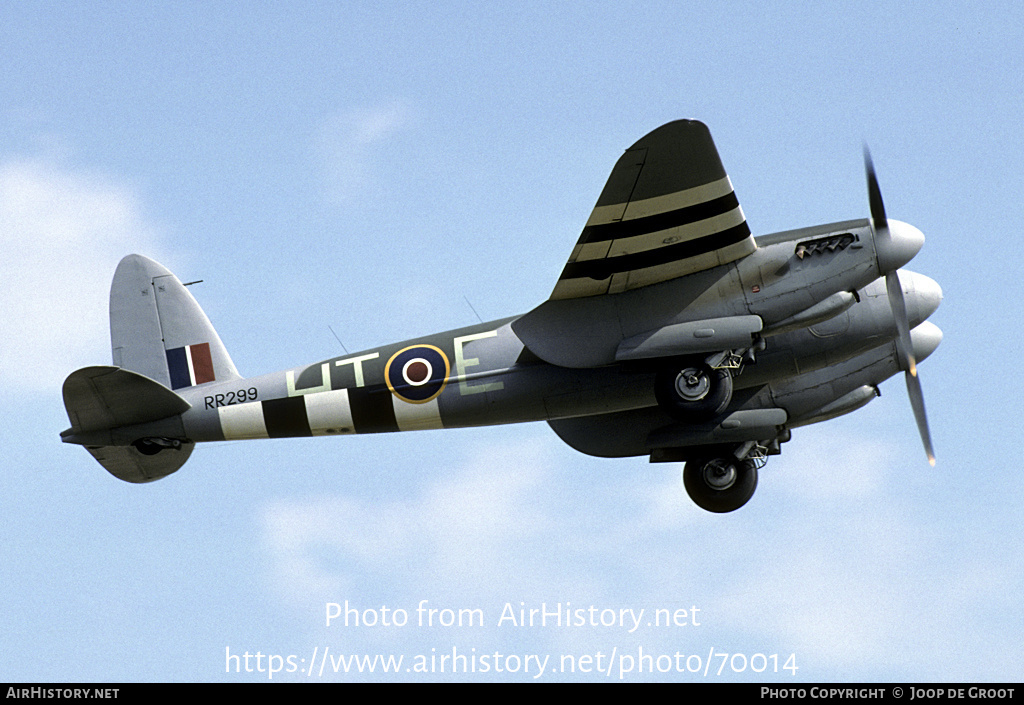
[
  {"x": 650, "y": 430},
  {"x": 667, "y": 210}
]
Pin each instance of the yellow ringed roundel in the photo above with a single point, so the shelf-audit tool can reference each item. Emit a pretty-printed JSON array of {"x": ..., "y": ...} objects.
[{"x": 417, "y": 374}]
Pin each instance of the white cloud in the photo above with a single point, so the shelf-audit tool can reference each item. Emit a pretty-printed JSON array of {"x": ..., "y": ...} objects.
[
  {"x": 347, "y": 144},
  {"x": 62, "y": 232},
  {"x": 851, "y": 579},
  {"x": 826, "y": 464},
  {"x": 463, "y": 525}
]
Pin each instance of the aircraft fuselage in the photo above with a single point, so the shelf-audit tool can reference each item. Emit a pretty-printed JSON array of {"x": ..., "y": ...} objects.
[{"x": 484, "y": 374}]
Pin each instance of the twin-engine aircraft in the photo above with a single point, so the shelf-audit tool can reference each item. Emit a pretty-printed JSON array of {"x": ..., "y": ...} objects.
[{"x": 672, "y": 332}]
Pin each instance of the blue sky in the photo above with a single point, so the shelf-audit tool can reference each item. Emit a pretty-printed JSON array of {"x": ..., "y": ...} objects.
[{"x": 367, "y": 168}]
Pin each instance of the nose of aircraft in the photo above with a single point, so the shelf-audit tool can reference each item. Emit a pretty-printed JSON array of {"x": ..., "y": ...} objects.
[
  {"x": 902, "y": 244},
  {"x": 925, "y": 338},
  {"x": 922, "y": 294}
]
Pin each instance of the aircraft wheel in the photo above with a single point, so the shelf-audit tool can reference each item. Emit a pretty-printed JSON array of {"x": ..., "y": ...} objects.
[
  {"x": 693, "y": 392},
  {"x": 720, "y": 484}
]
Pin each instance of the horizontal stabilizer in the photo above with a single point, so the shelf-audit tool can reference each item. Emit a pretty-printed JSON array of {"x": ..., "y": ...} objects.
[
  {"x": 128, "y": 464},
  {"x": 102, "y": 398}
]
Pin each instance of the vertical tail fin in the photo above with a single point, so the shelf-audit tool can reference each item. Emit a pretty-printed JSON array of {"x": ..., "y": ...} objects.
[{"x": 159, "y": 330}]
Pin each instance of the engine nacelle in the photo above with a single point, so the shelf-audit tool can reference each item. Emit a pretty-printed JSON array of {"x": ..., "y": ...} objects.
[
  {"x": 856, "y": 399},
  {"x": 840, "y": 389}
]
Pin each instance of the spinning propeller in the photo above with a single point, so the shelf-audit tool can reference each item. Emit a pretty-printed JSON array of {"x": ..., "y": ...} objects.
[{"x": 896, "y": 246}]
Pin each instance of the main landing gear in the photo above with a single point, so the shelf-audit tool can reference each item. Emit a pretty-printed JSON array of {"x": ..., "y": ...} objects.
[
  {"x": 693, "y": 391},
  {"x": 720, "y": 484},
  {"x": 697, "y": 390},
  {"x": 725, "y": 482}
]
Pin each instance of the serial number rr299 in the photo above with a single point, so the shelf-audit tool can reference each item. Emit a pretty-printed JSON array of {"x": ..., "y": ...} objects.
[{"x": 228, "y": 398}]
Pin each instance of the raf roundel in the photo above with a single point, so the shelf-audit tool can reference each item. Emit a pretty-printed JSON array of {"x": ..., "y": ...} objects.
[{"x": 417, "y": 374}]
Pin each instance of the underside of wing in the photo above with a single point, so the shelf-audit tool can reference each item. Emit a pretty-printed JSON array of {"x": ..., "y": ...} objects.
[
  {"x": 667, "y": 210},
  {"x": 651, "y": 431}
]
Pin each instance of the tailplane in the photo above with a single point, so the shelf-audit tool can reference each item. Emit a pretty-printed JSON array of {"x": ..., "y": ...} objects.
[
  {"x": 129, "y": 423},
  {"x": 128, "y": 415}
]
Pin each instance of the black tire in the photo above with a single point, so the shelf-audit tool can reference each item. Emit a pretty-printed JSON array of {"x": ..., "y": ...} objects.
[
  {"x": 720, "y": 484},
  {"x": 693, "y": 391}
]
